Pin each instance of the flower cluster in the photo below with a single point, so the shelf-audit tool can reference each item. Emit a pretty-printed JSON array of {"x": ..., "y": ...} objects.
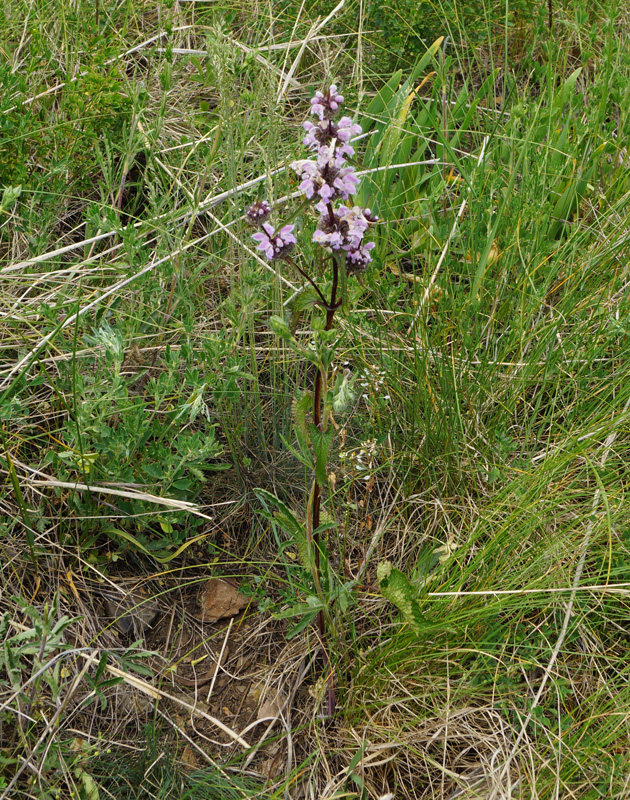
[
  {"x": 360, "y": 461},
  {"x": 374, "y": 381},
  {"x": 328, "y": 177},
  {"x": 325, "y": 106},
  {"x": 325, "y": 178},
  {"x": 275, "y": 244},
  {"x": 343, "y": 228},
  {"x": 258, "y": 213}
]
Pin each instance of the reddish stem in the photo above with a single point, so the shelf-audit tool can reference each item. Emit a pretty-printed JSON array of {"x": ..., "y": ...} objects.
[{"x": 317, "y": 494}]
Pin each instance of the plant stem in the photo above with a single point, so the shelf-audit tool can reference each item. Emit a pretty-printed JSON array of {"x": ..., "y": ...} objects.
[
  {"x": 310, "y": 280},
  {"x": 317, "y": 405},
  {"x": 313, "y": 513}
]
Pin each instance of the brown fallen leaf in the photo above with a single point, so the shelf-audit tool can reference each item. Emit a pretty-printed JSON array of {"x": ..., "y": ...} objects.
[
  {"x": 220, "y": 599},
  {"x": 189, "y": 758},
  {"x": 270, "y": 701}
]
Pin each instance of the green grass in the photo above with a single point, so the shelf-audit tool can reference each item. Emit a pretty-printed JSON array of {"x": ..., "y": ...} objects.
[{"x": 485, "y": 453}]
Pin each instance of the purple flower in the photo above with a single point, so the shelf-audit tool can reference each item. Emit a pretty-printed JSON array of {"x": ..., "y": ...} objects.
[
  {"x": 331, "y": 240},
  {"x": 308, "y": 172},
  {"x": 326, "y": 105},
  {"x": 315, "y": 135},
  {"x": 344, "y": 230},
  {"x": 353, "y": 225},
  {"x": 258, "y": 213},
  {"x": 346, "y": 129},
  {"x": 346, "y": 182},
  {"x": 326, "y": 131},
  {"x": 327, "y": 177},
  {"x": 357, "y": 260},
  {"x": 275, "y": 245}
]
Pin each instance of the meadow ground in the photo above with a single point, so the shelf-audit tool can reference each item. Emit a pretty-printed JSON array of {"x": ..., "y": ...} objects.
[{"x": 467, "y": 608}]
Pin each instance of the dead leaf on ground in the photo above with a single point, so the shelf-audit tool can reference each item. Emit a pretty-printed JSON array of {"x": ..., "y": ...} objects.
[
  {"x": 270, "y": 701},
  {"x": 189, "y": 758},
  {"x": 220, "y": 599}
]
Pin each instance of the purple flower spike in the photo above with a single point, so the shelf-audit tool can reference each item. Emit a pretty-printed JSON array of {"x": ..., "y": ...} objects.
[
  {"x": 324, "y": 179},
  {"x": 275, "y": 245}
]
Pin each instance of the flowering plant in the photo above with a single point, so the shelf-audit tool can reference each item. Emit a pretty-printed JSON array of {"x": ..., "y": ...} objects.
[
  {"x": 328, "y": 181},
  {"x": 325, "y": 178}
]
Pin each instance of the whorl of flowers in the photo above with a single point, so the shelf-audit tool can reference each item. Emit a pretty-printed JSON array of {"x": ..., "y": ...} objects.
[
  {"x": 326, "y": 105},
  {"x": 275, "y": 244},
  {"x": 258, "y": 213}
]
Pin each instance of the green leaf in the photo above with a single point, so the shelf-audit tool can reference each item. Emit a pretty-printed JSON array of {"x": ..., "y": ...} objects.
[
  {"x": 289, "y": 523},
  {"x": 119, "y": 532},
  {"x": 313, "y": 604},
  {"x": 101, "y": 668},
  {"x": 304, "y": 455},
  {"x": 307, "y": 298},
  {"x": 303, "y": 623},
  {"x": 322, "y": 441},
  {"x": 567, "y": 89},
  {"x": 9, "y": 198},
  {"x": 280, "y": 328},
  {"x": 396, "y": 588},
  {"x": 384, "y": 95},
  {"x": 300, "y": 408},
  {"x": 90, "y": 787},
  {"x": 425, "y": 59},
  {"x": 266, "y": 497}
]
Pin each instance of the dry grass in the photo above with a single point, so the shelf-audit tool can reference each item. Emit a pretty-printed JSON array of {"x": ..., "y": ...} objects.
[{"x": 493, "y": 475}]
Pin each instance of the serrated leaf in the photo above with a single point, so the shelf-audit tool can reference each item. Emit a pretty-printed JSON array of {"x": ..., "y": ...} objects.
[
  {"x": 300, "y": 408},
  {"x": 11, "y": 666},
  {"x": 288, "y": 524},
  {"x": 307, "y": 298},
  {"x": 342, "y": 393},
  {"x": 395, "y": 587},
  {"x": 322, "y": 441}
]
